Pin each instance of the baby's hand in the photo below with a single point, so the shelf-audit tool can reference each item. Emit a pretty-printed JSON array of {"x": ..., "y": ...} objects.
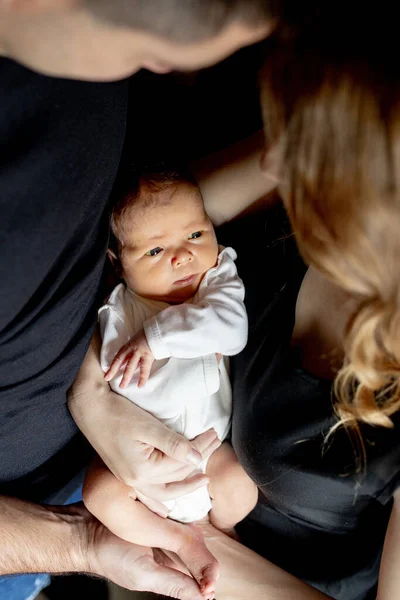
[{"x": 135, "y": 353}]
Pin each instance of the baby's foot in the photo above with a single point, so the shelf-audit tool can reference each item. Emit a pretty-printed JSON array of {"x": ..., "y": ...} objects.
[{"x": 201, "y": 563}]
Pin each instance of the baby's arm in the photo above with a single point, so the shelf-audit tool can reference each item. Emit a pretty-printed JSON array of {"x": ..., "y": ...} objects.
[
  {"x": 198, "y": 377},
  {"x": 217, "y": 323},
  {"x": 115, "y": 505}
]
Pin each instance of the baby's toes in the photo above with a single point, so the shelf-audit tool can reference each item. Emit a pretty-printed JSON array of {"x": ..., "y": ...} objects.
[
  {"x": 208, "y": 580},
  {"x": 201, "y": 563}
]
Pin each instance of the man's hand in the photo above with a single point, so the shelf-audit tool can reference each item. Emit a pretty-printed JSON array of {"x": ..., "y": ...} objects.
[
  {"x": 134, "y": 354},
  {"x": 140, "y": 450},
  {"x": 138, "y": 568},
  {"x": 163, "y": 478},
  {"x": 68, "y": 539}
]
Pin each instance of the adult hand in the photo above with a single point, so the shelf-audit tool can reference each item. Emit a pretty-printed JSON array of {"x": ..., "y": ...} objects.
[
  {"x": 68, "y": 539},
  {"x": 136, "y": 447},
  {"x": 131, "y": 566}
]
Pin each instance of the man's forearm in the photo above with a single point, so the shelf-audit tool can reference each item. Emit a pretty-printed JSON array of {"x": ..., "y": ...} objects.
[{"x": 37, "y": 539}]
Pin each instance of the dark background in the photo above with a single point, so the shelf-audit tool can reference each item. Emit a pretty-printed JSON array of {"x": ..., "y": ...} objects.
[{"x": 189, "y": 115}]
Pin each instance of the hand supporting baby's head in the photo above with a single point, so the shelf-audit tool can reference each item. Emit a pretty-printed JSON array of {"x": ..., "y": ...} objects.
[{"x": 165, "y": 241}]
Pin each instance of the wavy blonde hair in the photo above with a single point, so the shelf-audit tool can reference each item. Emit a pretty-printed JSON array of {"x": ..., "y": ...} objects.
[{"x": 331, "y": 103}]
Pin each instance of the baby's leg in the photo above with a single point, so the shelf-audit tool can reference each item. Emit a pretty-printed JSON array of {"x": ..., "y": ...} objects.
[
  {"x": 107, "y": 499},
  {"x": 232, "y": 491}
]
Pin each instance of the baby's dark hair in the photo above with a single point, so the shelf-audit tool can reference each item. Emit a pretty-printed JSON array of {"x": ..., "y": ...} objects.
[{"x": 139, "y": 186}]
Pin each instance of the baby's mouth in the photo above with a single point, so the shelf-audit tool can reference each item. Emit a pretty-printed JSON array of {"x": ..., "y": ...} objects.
[{"x": 186, "y": 280}]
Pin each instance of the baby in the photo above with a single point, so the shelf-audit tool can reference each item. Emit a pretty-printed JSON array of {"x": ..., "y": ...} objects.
[{"x": 166, "y": 334}]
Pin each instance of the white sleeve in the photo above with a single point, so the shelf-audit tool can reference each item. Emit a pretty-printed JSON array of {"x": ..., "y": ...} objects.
[
  {"x": 217, "y": 322},
  {"x": 169, "y": 382}
]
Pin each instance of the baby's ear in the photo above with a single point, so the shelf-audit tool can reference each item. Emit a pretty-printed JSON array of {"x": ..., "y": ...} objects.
[
  {"x": 112, "y": 257},
  {"x": 115, "y": 261}
]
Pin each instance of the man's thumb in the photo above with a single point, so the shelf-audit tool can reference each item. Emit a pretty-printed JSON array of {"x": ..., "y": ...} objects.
[{"x": 172, "y": 444}]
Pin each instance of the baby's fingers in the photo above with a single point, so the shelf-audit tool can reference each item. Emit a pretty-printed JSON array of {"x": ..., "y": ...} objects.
[
  {"x": 117, "y": 363},
  {"x": 131, "y": 366},
  {"x": 145, "y": 368}
]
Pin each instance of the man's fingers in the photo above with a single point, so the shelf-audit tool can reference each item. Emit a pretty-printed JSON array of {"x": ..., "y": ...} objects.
[
  {"x": 172, "y": 444},
  {"x": 145, "y": 368},
  {"x": 154, "y": 505},
  {"x": 172, "y": 490},
  {"x": 162, "y": 467},
  {"x": 152, "y": 432},
  {"x": 211, "y": 448},
  {"x": 165, "y": 467},
  {"x": 170, "y": 582},
  {"x": 167, "y": 471},
  {"x": 130, "y": 369},
  {"x": 206, "y": 443},
  {"x": 180, "y": 488},
  {"x": 166, "y": 558},
  {"x": 138, "y": 569}
]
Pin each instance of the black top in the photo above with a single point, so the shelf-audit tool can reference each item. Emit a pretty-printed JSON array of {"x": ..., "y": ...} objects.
[
  {"x": 317, "y": 517},
  {"x": 61, "y": 144}
]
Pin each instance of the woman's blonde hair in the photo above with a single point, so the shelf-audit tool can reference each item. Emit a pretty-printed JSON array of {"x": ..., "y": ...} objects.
[{"x": 331, "y": 103}]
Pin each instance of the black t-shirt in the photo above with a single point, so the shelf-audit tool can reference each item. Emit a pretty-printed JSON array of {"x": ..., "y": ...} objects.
[
  {"x": 61, "y": 144},
  {"x": 317, "y": 517}
]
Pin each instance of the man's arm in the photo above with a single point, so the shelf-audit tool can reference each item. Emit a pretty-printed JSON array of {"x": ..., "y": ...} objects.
[
  {"x": 140, "y": 450},
  {"x": 37, "y": 539}
]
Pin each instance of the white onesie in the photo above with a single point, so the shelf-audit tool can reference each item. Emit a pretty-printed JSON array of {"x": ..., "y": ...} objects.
[{"x": 187, "y": 389}]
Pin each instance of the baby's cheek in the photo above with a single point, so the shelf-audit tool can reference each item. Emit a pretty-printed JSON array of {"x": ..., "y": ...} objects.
[
  {"x": 213, "y": 257},
  {"x": 133, "y": 277}
]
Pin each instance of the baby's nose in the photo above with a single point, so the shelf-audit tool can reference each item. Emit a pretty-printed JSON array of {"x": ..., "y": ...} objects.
[{"x": 181, "y": 258}]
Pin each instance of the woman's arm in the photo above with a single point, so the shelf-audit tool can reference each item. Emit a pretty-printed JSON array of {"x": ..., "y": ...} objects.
[
  {"x": 389, "y": 575},
  {"x": 231, "y": 180},
  {"x": 245, "y": 574}
]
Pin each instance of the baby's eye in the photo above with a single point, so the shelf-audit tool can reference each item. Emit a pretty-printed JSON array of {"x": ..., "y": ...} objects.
[
  {"x": 154, "y": 251},
  {"x": 195, "y": 235}
]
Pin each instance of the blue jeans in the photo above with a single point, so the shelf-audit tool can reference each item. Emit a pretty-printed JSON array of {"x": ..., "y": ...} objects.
[{"x": 27, "y": 587}]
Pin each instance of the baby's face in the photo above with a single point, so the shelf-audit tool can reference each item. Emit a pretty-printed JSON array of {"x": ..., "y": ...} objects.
[{"x": 170, "y": 247}]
